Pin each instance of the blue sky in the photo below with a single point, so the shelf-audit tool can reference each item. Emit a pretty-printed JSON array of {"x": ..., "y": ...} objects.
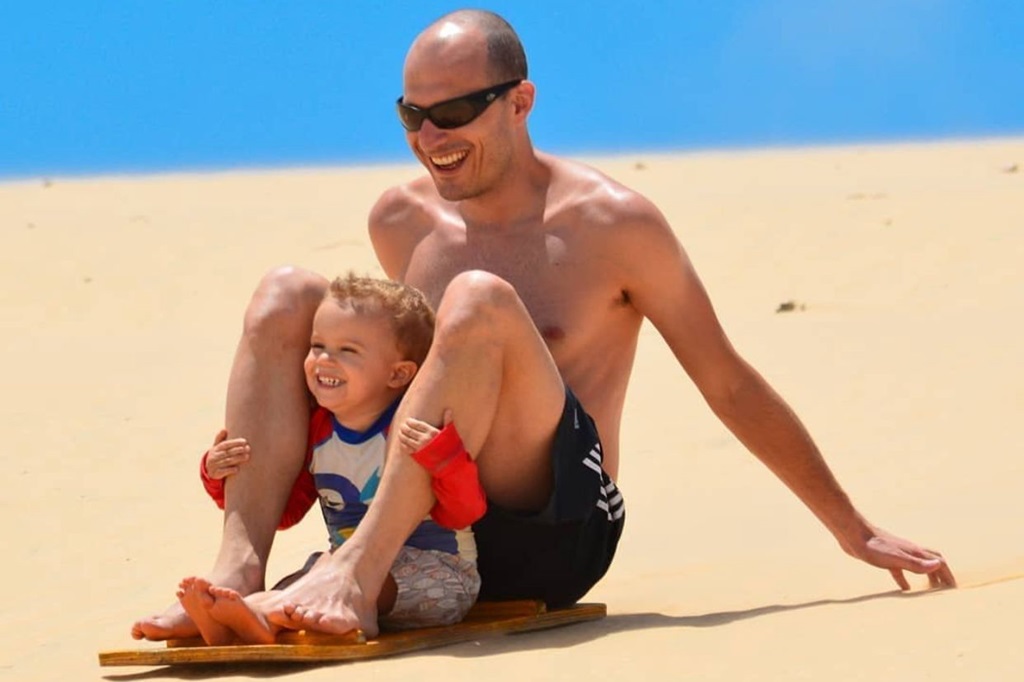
[{"x": 153, "y": 85}]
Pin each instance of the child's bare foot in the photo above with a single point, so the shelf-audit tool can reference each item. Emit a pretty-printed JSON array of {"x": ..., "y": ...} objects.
[
  {"x": 232, "y": 611},
  {"x": 173, "y": 623},
  {"x": 196, "y": 598}
]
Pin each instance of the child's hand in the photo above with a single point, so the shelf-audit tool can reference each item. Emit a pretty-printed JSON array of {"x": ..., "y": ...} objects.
[
  {"x": 415, "y": 434},
  {"x": 226, "y": 456}
]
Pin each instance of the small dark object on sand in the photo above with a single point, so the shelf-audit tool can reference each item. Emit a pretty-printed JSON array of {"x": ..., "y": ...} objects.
[{"x": 790, "y": 306}]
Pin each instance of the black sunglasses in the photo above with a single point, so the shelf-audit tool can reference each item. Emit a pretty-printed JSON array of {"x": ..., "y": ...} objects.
[{"x": 455, "y": 112}]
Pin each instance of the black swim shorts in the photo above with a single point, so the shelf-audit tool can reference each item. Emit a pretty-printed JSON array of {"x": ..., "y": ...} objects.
[{"x": 559, "y": 553}]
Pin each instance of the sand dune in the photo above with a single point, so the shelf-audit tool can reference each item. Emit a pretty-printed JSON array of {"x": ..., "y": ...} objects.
[{"x": 122, "y": 300}]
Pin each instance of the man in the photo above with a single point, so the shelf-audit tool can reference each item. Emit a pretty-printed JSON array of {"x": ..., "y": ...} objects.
[{"x": 542, "y": 271}]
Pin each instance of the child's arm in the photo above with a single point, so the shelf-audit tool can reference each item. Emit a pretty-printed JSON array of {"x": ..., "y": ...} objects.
[
  {"x": 226, "y": 457},
  {"x": 303, "y": 495},
  {"x": 414, "y": 434},
  {"x": 220, "y": 461},
  {"x": 455, "y": 480}
]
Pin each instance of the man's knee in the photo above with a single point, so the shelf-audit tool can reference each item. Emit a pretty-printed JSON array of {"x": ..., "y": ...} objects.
[
  {"x": 282, "y": 306},
  {"x": 476, "y": 304}
]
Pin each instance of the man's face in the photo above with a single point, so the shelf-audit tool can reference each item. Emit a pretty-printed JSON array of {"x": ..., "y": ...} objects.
[{"x": 467, "y": 161}]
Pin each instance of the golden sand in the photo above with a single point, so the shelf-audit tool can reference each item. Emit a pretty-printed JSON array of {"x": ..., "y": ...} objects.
[{"x": 901, "y": 269}]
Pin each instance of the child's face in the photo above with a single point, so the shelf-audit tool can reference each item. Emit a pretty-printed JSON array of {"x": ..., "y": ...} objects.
[{"x": 354, "y": 368}]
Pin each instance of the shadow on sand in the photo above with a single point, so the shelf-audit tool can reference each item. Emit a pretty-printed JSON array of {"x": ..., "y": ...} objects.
[{"x": 557, "y": 638}]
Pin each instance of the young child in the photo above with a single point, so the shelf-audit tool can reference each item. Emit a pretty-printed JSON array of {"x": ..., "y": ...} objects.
[{"x": 369, "y": 338}]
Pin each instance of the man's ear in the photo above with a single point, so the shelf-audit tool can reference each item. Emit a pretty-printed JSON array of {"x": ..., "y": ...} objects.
[
  {"x": 402, "y": 373},
  {"x": 522, "y": 99}
]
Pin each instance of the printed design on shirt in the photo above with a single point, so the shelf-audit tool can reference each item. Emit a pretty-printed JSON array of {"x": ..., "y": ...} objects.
[
  {"x": 346, "y": 469},
  {"x": 341, "y": 503}
]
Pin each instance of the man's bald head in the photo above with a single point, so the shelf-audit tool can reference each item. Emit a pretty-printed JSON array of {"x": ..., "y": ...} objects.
[{"x": 506, "y": 58}]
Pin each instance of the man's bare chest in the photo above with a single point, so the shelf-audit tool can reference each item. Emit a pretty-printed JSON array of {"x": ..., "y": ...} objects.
[{"x": 563, "y": 288}]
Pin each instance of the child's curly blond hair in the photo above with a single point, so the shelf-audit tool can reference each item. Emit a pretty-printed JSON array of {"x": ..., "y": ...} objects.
[{"x": 406, "y": 308}]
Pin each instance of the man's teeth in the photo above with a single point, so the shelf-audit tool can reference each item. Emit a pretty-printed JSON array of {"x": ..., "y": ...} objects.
[
  {"x": 449, "y": 159},
  {"x": 328, "y": 381}
]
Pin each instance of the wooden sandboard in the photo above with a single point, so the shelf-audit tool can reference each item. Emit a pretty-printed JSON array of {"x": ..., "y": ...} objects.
[{"x": 484, "y": 620}]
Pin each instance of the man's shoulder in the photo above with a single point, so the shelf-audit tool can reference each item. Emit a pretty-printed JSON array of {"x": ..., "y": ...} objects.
[
  {"x": 401, "y": 218},
  {"x": 403, "y": 205},
  {"x": 596, "y": 199}
]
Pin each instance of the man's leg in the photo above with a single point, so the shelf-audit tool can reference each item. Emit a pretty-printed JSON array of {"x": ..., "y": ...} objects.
[
  {"x": 267, "y": 404},
  {"x": 489, "y": 365}
]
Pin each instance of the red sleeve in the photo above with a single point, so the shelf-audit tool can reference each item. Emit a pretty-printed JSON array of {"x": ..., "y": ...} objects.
[
  {"x": 214, "y": 486},
  {"x": 454, "y": 478},
  {"x": 303, "y": 496},
  {"x": 303, "y": 493}
]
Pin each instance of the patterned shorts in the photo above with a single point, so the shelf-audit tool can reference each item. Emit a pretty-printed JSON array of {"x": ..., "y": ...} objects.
[{"x": 434, "y": 588}]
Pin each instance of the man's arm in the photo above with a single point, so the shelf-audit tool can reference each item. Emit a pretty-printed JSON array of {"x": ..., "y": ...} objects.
[{"x": 664, "y": 287}]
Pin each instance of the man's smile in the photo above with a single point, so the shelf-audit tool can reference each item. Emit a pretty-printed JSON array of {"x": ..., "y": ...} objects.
[{"x": 447, "y": 162}]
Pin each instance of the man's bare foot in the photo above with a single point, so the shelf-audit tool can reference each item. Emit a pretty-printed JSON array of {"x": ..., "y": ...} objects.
[
  {"x": 327, "y": 599},
  {"x": 197, "y": 600},
  {"x": 173, "y": 623},
  {"x": 232, "y": 611}
]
